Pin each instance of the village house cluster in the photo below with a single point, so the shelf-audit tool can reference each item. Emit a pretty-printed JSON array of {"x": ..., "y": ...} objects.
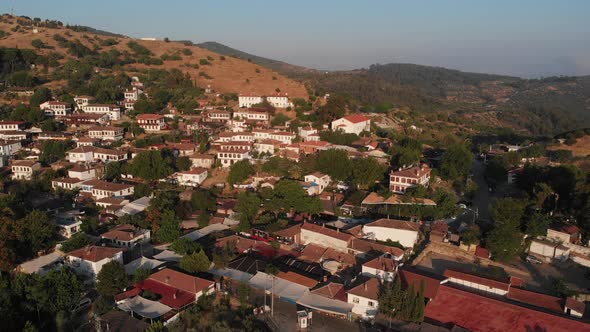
[{"x": 337, "y": 267}]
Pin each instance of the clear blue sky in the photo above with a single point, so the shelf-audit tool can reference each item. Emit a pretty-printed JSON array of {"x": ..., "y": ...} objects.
[{"x": 518, "y": 37}]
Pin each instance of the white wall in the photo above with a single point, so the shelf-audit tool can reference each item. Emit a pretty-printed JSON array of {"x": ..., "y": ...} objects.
[
  {"x": 361, "y": 306},
  {"x": 406, "y": 238},
  {"x": 323, "y": 240}
]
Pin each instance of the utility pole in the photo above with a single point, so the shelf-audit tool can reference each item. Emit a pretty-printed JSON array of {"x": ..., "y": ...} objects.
[{"x": 272, "y": 296}]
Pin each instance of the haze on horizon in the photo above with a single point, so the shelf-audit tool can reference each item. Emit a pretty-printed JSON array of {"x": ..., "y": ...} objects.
[{"x": 528, "y": 38}]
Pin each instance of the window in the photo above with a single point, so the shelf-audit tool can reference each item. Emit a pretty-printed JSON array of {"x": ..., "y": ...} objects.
[
  {"x": 371, "y": 304},
  {"x": 355, "y": 300}
]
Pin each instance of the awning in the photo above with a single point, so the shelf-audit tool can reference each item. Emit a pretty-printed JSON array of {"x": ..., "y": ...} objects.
[
  {"x": 282, "y": 288},
  {"x": 144, "y": 307},
  {"x": 231, "y": 274},
  {"x": 322, "y": 303},
  {"x": 142, "y": 262},
  {"x": 169, "y": 256}
]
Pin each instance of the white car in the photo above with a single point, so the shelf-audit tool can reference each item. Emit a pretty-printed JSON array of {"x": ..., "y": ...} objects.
[{"x": 533, "y": 260}]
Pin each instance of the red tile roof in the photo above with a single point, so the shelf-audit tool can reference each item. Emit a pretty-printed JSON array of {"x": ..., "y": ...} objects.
[
  {"x": 477, "y": 313},
  {"x": 537, "y": 299},
  {"x": 575, "y": 305},
  {"x": 363, "y": 245},
  {"x": 149, "y": 117},
  {"x": 297, "y": 278},
  {"x": 356, "y": 118},
  {"x": 95, "y": 253},
  {"x": 326, "y": 231},
  {"x": 369, "y": 289},
  {"x": 396, "y": 224},
  {"x": 413, "y": 172},
  {"x": 332, "y": 290},
  {"x": 416, "y": 278},
  {"x": 382, "y": 263},
  {"x": 172, "y": 296},
  {"x": 181, "y": 281}
]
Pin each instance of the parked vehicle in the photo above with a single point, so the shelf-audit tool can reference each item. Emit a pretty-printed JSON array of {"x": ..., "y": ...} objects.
[{"x": 533, "y": 260}]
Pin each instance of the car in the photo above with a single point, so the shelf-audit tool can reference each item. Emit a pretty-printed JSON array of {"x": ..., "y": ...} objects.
[
  {"x": 533, "y": 260},
  {"x": 462, "y": 206},
  {"x": 83, "y": 304}
]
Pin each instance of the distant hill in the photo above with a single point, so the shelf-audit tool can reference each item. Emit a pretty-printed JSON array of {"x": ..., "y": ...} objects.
[{"x": 276, "y": 65}]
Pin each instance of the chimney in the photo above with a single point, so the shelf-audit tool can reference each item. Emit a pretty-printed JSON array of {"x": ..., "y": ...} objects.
[
  {"x": 366, "y": 285},
  {"x": 167, "y": 279}
]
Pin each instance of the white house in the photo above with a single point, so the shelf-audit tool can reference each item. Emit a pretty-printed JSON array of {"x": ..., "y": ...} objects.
[
  {"x": 252, "y": 115},
  {"x": 404, "y": 232},
  {"x": 106, "y": 133},
  {"x": 82, "y": 172},
  {"x": 67, "y": 183},
  {"x": 268, "y": 146},
  {"x": 12, "y": 125},
  {"x": 191, "y": 178},
  {"x": 249, "y": 100},
  {"x": 101, "y": 189},
  {"x": 56, "y": 108},
  {"x": 132, "y": 94},
  {"x": 84, "y": 154},
  {"x": 202, "y": 160},
  {"x": 68, "y": 223},
  {"x": 477, "y": 283},
  {"x": 230, "y": 157},
  {"x": 383, "y": 267},
  {"x": 89, "y": 260},
  {"x": 365, "y": 298},
  {"x": 151, "y": 122},
  {"x": 82, "y": 101},
  {"x": 9, "y": 148},
  {"x": 106, "y": 155},
  {"x": 402, "y": 179},
  {"x": 322, "y": 180},
  {"x": 352, "y": 124},
  {"x": 23, "y": 169},
  {"x": 308, "y": 134},
  {"x": 279, "y": 101},
  {"x": 113, "y": 111}
]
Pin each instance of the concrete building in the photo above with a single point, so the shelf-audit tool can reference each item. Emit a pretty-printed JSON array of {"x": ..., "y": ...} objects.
[
  {"x": 404, "y": 232},
  {"x": 352, "y": 124},
  {"x": 191, "y": 178},
  {"x": 151, "y": 122},
  {"x": 106, "y": 133},
  {"x": 24, "y": 169},
  {"x": 89, "y": 260},
  {"x": 402, "y": 179}
]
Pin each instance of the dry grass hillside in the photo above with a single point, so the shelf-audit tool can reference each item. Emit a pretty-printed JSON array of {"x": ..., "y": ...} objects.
[{"x": 231, "y": 75}]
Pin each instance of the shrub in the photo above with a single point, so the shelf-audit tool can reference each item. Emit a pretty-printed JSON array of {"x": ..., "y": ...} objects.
[{"x": 204, "y": 62}]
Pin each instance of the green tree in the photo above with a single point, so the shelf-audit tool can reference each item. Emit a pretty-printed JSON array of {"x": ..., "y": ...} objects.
[
  {"x": 456, "y": 162},
  {"x": 111, "y": 280},
  {"x": 184, "y": 246},
  {"x": 247, "y": 206},
  {"x": 471, "y": 236},
  {"x": 77, "y": 241},
  {"x": 36, "y": 231},
  {"x": 183, "y": 163},
  {"x": 335, "y": 163},
  {"x": 203, "y": 200},
  {"x": 504, "y": 241},
  {"x": 240, "y": 171},
  {"x": 195, "y": 262},
  {"x": 151, "y": 165},
  {"x": 52, "y": 151},
  {"x": 407, "y": 152},
  {"x": 40, "y": 96},
  {"x": 537, "y": 224},
  {"x": 366, "y": 171},
  {"x": 141, "y": 274},
  {"x": 289, "y": 194},
  {"x": 169, "y": 229}
]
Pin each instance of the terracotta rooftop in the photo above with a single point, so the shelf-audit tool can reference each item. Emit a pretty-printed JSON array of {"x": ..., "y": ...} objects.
[
  {"x": 27, "y": 163},
  {"x": 123, "y": 232},
  {"x": 326, "y": 231},
  {"x": 414, "y": 277},
  {"x": 356, "y": 118},
  {"x": 331, "y": 290},
  {"x": 395, "y": 224},
  {"x": 368, "y": 289},
  {"x": 413, "y": 172},
  {"x": 536, "y": 299},
  {"x": 68, "y": 180},
  {"x": 383, "y": 264},
  {"x": 297, "y": 278},
  {"x": 95, "y": 253},
  {"x": 197, "y": 171},
  {"x": 181, "y": 280},
  {"x": 108, "y": 186},
  {"x": 575, "y": 305},
  {"x": 476, "y": 313},
  {"x": 395, "y": 199}
]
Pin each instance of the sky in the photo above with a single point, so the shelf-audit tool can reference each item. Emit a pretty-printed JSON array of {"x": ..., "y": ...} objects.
[{"x": 528, "y": 38}]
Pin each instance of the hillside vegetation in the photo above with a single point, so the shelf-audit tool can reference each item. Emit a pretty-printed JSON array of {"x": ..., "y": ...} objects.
[
  {"x": 57, "y": 46},
  {"x": 539, "y": 107}
]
